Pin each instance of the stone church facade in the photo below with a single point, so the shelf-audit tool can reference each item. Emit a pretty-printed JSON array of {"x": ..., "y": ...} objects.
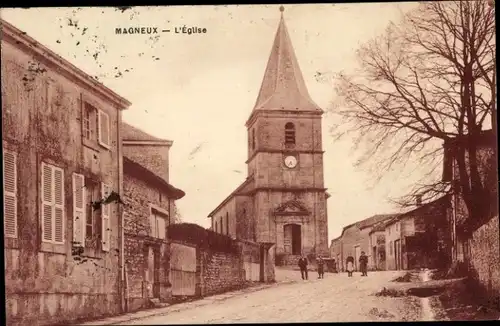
[{"x": 282, "y": 202}]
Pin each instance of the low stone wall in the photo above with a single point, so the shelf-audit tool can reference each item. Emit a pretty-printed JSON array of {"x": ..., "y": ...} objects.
[
  {"x": 222, "y": 264},
  {"x": 485, "y": 257},
  {"x": 220, "y": 272}
]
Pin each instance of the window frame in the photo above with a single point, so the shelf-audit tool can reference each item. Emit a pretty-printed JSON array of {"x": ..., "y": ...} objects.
[{"x": 165, "y": 217}]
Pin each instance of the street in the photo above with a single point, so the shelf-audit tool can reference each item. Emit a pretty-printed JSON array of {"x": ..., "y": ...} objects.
[{"x": 336, "y": 298}]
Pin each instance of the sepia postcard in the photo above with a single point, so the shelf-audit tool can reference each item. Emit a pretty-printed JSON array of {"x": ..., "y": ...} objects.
[{"x": 211, "y": 164}]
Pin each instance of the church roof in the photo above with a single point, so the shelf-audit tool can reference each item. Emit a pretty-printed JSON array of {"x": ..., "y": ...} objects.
[
  {"x": 241, "y": 190},
  {"x": 283, "y": 86}
]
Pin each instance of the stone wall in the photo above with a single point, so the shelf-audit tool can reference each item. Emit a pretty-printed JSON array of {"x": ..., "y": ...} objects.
[
  {"x": 138, "y": 242},
  {"x": 42, "y": 122},
  {"x": 222, "y": 271},
  {"x": 485, "y": 257}
]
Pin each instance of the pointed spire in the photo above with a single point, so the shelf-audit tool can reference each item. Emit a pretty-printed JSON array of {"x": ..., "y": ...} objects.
[{"x": 283, "y": 86}]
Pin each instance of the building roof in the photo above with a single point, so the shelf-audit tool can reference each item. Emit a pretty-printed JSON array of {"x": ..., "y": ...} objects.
[
  {"x": 368, "y": 222},
  {"x": 48, "y": 57},
  {"x": 131, "y": 133},
  {"x": 240, "y": 190},
  {"x": 133, "y": 168},
  {"x": 441, "y": 200},
  {"x": 283, "y": 86}
]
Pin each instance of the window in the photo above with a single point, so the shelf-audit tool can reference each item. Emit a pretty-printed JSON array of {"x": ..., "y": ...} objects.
[
  {"x": 95, "y": 126},
  {"x": 52, "y": 194},
  {"x": 390, "y": 248},
  {"x": 216, "y": 229},
  {"x": 93, "y": 215},
  {"x": 253, "y": 138},
  {"x": 289, "y": 134},
  {"x": 89, "y": 120},
  {"x": 158, "y": 222},
  {"x": 10, "y": 194},
  {"x": 227, "y": 223},
  {"x": 397, "y": 226}
]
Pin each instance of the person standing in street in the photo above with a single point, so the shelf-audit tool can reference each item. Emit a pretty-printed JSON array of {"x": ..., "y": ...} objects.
[
  {"x": 363, "y": 264},
  {"x": 321, "y": 263},
  {"x": 349, "y": 265},
  {"x": 303, "y": 267}
]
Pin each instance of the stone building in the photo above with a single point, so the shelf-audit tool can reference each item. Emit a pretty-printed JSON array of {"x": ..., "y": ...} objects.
[
  {"x": 283, "y": 199},
  {"x": 355, "y": 238},
  {"x": 419, "y": 238},
  {"x": 61, "y": 151},
  {"x": 148, "y": 212},
  {"x": 377, "y": 245},
  {"x": 476, "y": 242}
]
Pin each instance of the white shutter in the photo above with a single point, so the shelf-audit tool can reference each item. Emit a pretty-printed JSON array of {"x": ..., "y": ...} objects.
[
  {"x": 79, "y": 218},
  {"x": 58, "y": 205},
  {"x": 103, "y": 122},
  {"x": 161, "y": 227},
  {"x": 105, "y": 213},
  {"x": 10, "y": 194},
  {"x": 47, "y": 194}
]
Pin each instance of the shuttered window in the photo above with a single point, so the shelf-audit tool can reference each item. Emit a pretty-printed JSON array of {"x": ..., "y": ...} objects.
[
  {"x": 79, "y": 208},
  {"x": 105, "y": 213},
  {"x": 52, "y": 194},
  {"x": 10, "y": 194},
  {"x": 103, "y": 123},
  {"x": 158, "y": 222}
]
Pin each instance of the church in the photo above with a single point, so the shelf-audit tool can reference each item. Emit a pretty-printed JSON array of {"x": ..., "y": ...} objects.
[{"x": 282, "y": 202}]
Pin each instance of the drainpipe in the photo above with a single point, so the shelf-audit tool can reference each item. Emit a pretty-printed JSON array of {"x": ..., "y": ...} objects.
[{"x": 121, "y": 256}]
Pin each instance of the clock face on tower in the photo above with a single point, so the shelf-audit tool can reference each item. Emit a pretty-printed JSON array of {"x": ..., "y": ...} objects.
[{"x": 290, "y": 162}]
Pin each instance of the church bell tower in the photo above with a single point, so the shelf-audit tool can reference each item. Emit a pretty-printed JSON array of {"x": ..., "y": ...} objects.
[{"x": 285, "y": 158}]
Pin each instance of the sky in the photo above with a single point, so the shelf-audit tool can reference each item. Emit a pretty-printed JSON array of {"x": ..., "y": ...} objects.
[{"x": 198, "y": 90}]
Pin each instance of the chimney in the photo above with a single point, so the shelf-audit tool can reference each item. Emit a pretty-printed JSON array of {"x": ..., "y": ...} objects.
[{"x": 419, "y": 200}]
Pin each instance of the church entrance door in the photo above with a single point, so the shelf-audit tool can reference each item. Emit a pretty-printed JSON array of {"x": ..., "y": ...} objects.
[{"x": 293, "y": 239}]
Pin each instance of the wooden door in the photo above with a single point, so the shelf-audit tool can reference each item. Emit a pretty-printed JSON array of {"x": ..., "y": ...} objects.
[
  {"x": 397, "y": 253},
  {"x": 182, "y": 269}
]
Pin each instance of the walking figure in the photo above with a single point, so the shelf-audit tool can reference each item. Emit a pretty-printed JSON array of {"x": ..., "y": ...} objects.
[
  {"x": 350, "y": 265},
  {"x": 303, "y": 267},
  {"x": 363, "y": 264},
  {"x": 321, "y": 263}
]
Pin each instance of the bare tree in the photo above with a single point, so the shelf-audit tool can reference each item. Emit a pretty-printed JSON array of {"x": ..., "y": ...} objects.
[{"x": 426, "y": 80}]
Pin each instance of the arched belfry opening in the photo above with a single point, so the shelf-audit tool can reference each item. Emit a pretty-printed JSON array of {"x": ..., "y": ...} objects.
[
  {"x": 293, "y": 239},
  {"x": 289, "y": 134}
]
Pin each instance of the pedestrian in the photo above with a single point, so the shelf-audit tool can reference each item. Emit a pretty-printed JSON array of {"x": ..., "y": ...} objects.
[
  {"x": 303, "y": 267},
  {"x": 349, "y": 265},
  {"x": 321, "y": 263},
  {"x": 363, "y": 264}
]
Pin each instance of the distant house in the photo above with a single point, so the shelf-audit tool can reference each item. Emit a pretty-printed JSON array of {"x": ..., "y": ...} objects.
[
  {"x": 336, "y": 252},
  {"x": 148, "y": 212},
  {"x": 377, "y": 245},
  {"x": 355, "y": 238},
  {"x": 476, "y": 241},
  {"x": 418, "y": 238},
  {"x": 61, "y": 160}
]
